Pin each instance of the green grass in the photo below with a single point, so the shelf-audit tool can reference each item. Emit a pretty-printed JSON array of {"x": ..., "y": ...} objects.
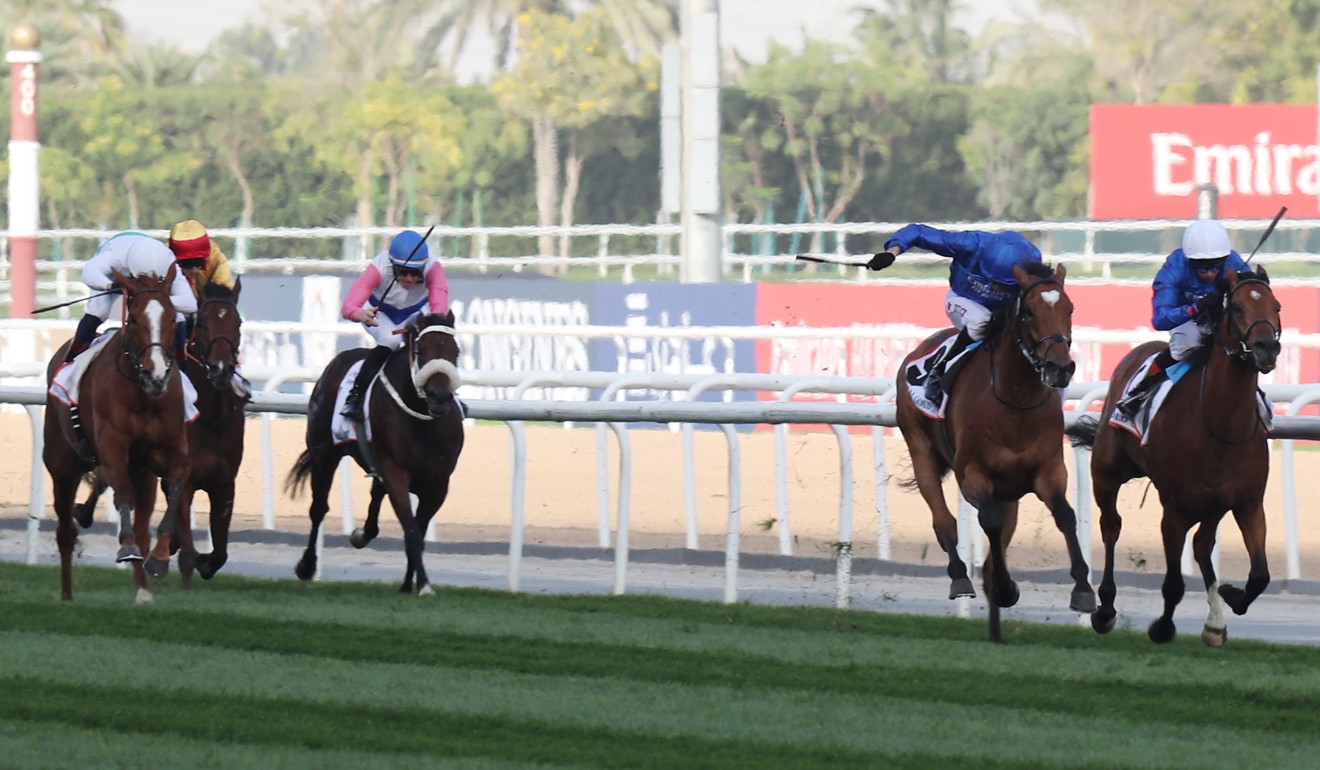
[{"x": 244, "y": 672}]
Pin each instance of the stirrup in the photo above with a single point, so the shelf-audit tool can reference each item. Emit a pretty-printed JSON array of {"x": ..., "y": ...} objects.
[{"x": 353, "y": 410}]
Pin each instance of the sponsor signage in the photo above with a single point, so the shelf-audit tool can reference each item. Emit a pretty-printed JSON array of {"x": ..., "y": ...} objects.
[{"x": 1148, "y": 161}]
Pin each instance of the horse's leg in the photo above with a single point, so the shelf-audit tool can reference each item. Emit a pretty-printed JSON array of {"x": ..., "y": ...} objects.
[
  {"x": 221, "y": 497},
  {"x": 186, "y": 548},
  {"x": 114, "y": 467},
  {"x": 429, "y": 502},
  {"x": 323, "y": 475},
  {"x": 994, "y": 517},
  {"x": 368, "y": 532},
  {"x": 397, "y": 482},
  {"x": 85, "y": 512},
  {"x": 1106, "y": 479},
  {"x": 66, "y": 534},
  {"x": 1251, "y": 520},
  {"x": 926, "y": 471},
  {"x": 1173, "y": 530},
  {"x": 1052, "y": 489},
  {"x": 177, "y": 466},
  {"x": 144, "y": 484},
  {"x": 1215, "y": 631}
]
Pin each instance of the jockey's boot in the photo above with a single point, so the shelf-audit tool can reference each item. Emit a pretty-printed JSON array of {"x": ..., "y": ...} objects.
[
  {"x": 82, "y": 338},
  {"x": 370, "y": 365},
  {"x": 1159, "y": 369},
  {"x": 933, "y": 384}
]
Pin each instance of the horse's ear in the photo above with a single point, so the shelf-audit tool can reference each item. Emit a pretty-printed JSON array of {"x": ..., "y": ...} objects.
[
  {"x": 1022, "y": 276},
  {"x": 1261, "y": 274},
  {"x": 238, "y": 286},
  {"x": 168, "y": 280},
  {"x": 122, "y": 279},
  {"x": 1060, "y": 273},
  {"x": 448, "y": 317}
]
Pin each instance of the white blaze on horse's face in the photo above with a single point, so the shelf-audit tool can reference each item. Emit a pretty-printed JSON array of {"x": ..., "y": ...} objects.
[
  {"x": 1051, "y": 297},
  {"x": 155, "y": 312},
  {"x": 1255, "y": 294}
]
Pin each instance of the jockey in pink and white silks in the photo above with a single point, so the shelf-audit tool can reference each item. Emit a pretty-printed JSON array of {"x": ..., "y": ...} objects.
[{"x": 399, "y": 285}]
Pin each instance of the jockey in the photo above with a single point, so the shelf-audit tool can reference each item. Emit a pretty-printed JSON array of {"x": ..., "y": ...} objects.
[
  {"x": 1184, "y": 289},
  {"x": 137, "y": 255},
  {"x": 980, "y": 280},
  {"x": 201, "y": 262},
  {"x": 398, "y": 285}
]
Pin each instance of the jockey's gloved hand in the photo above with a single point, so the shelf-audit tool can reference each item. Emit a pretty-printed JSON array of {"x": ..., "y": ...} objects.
[
  {"x": 1203, "y": 305},
  {"x": 880, "y": 261}
]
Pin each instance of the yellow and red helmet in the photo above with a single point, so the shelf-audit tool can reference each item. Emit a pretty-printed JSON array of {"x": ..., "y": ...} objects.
[{"x": 190, "y": 243}]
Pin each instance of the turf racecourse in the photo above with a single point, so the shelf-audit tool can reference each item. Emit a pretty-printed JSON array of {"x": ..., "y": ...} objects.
[{"x": 245, "y": 672}]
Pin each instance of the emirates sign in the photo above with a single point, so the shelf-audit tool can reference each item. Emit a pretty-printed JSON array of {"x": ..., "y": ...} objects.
[{"x": 1148, "y": 161}]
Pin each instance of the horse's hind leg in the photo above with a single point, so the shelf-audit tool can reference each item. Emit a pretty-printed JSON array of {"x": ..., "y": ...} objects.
[
  {"x": 66, "y": 534},
  {"x": 1173, "y": 529},
  {"x": 221, "y": 497},
  {"x": 144, "y": 484},
  {"x": 1215, "y": 631},
  {"x": 323, "y": 475},
  {"x": 1251, "y": 521},
  {"x": 177, "y": 465},
  {"x": 85, "y": 512},
  {"x": 927, "y": 473},
  {"x": 368, "y": 532},
  {"x": 183, "y": 541}
]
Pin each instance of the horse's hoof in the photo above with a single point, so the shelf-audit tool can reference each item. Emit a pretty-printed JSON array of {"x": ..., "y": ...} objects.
[
  {"x": 84, "y": 514},
  {"x": 1083, "y": 601},
  {"x": 208, "y": 564},
  {"x": 962, "y": 587},
  {"x": 306, "y": 568},
  {"x": 157, "y": 568},
  {"x": 1214, "y": 637},
  {"x": 1235, "y": 598},
  {"x": 1009, "y": 596},
  {"x": 1162, "y": 631},
  {"x": 174, "y": 545},
  {"x": 1102, "y": 620},
  {"x": 426, "y": 590},
  {"x": 143, "y": 596},
  {"x": 128, "y": 553},
  {"x": 359, "y": 538}
]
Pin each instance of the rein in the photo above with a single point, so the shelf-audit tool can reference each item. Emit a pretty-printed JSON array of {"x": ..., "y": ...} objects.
[
  {"x": 413, "y": 338},
  {"x": 1242, "y": 354},
  {"x": 134, "y": 357},
  {"x": 204, "y": 343}
]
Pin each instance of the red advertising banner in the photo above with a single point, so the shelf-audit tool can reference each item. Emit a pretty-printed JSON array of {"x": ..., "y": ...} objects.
[{"x": 1147, "y": 161}]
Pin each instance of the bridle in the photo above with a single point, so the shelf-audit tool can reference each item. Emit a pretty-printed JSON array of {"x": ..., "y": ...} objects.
[
  {"x": 1240, "y": 351},
  {"x": 203, "y": 342},
  {"x": 1038, "y": 363},
  {"x": 417, "y": 374},
  {"x": 134, "y": 356}
]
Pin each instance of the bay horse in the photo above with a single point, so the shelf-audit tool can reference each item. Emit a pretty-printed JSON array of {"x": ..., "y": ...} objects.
[
  {"x": 1002, "y": 435},
  {"x": 1205, "y": 453},
  {"x": 132, "y": 431},
  {"x": 416, "y": 430},
  {"x": 215, "y": 438}
]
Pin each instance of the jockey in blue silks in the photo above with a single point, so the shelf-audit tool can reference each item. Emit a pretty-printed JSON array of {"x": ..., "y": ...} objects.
[
  {"x": 980, "y": 280},
  {"x": 1184, "y": 289}
]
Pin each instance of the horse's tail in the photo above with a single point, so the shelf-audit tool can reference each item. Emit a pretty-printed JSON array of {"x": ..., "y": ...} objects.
[
  {"x": 302, "y": 471},
  {"x": 1083, "y": 431}
]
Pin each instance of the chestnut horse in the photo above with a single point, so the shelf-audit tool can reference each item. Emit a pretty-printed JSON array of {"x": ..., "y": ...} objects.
[
  {"x": 416, "y": 429},
  {"x": 131, "y": 412},
  {"x": 215, "y": 438},
  {"x": 1002, "y": 435},
  {"x": 1206, "y": 454}
]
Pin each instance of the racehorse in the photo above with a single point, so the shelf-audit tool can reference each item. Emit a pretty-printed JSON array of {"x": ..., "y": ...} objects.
[
  {"x": 1002, "y": 435},
  {"x": 130, "y": 425},
  {"x": 215, "y": 438},
  {"x": 1205, "y": 452},
  {"x": 416, "y": 435}
]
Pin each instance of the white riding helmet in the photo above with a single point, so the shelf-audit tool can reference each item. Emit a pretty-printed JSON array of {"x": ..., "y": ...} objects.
[
  {"x": 1206, "y": 239},
  {"x": 147, "y": 256}
]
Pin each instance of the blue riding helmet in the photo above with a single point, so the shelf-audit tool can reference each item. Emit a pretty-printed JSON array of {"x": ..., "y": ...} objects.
[
  {"x": 408, "y": 250},
  {"x": 1002, "y": 253}
]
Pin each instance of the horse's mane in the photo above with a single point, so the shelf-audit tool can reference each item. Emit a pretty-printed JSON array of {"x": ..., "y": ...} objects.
[
  {"x": 213, "y": 290},
  {"x": 999, "y": 317}
]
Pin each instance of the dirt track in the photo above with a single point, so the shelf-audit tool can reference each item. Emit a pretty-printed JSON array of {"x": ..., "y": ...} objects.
[{"x": 561, "y": 495}]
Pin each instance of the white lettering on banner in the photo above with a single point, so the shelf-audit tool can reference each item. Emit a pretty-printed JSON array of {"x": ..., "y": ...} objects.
[
  {"x": 875, "y": 357},
  {"x": 508, "y": 352},
  {"x": 668, "y": 356},
  {"x": 1261, "y": 168}
]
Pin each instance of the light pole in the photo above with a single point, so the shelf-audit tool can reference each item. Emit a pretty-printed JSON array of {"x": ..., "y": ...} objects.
[
  {"x": 24, "y": 187},
  {"x": 702, "y": 199}
]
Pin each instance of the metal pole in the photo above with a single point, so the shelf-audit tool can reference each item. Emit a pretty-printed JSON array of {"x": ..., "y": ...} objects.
[
  {"x": 24, "y": 188},
  {"x": 702, "y": 199}
]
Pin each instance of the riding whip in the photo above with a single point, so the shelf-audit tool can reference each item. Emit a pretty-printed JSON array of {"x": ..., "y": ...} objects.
[
  {"x": 74, "y": 301},
  {"x": 395, "y": 277},
  {"x": 1268, "y": 230},
  {"x": 828, "y": 260}
]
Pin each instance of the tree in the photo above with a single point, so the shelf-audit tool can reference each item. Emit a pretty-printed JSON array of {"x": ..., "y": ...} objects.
[
  {"x": 570, "y": 75},
  {"x": 922, "y": 36},
  {"x": 81, "y": 39}
]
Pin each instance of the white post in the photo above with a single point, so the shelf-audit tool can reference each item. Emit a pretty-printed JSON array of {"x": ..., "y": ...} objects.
[{"x": 702, "y": 204}]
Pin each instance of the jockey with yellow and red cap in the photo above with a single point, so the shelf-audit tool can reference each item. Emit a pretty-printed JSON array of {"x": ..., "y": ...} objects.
[{"x": 201, "y": 261}]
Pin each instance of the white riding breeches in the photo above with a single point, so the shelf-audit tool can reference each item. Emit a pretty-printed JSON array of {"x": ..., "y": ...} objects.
[{"x": 967, "y": 314}]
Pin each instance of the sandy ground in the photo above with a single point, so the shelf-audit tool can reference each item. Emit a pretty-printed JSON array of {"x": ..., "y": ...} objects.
[{"x": 561, "y": 496}]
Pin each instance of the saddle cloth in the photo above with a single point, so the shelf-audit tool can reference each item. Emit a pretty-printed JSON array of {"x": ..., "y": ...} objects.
[
  {"x": 916, "y": 372},
  {"x": 1139, "y": 424},
  {"x": 64, "y": 386}
]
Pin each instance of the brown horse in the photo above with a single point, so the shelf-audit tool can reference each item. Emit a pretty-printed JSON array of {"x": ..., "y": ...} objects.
[
  {"x": 131, "y": 414},
  {"x": 215, "y": 438},
  {"x": 1002, "y": 435},
  {"x": 416, "y": 438},
  {"x": 1206, "y": 454}
]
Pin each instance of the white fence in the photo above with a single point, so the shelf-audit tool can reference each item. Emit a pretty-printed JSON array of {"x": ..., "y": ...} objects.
[{"x": 614, "y": 413}]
